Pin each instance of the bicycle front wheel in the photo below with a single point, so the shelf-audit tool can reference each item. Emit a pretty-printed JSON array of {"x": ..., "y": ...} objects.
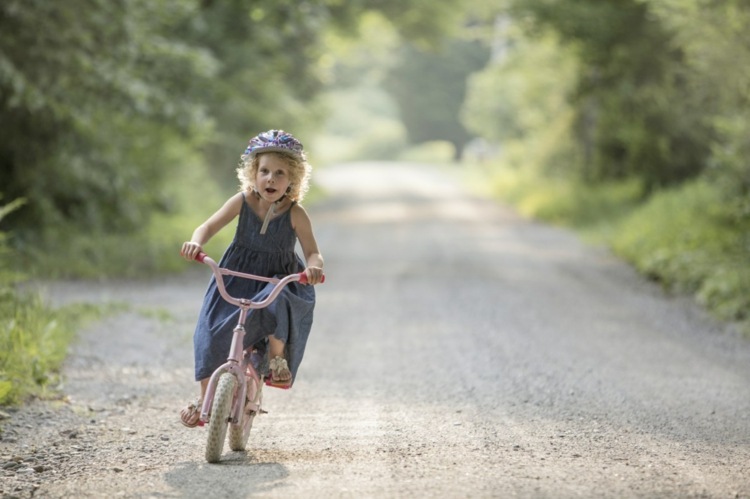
[
  {"x": 220, "y": 413},
  {"x": 239, "y": 433}
]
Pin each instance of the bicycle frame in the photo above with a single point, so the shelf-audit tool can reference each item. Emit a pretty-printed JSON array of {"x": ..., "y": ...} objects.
[{"x": 235, "y": 363}]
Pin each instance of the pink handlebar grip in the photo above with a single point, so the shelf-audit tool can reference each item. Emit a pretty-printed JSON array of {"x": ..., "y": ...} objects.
[
  {"x": 200, "y": 256},
  {"x": 303, "y": 278}
]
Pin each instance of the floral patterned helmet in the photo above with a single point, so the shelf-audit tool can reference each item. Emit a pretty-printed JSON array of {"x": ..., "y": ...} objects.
[{"x": 274, "y": 141}]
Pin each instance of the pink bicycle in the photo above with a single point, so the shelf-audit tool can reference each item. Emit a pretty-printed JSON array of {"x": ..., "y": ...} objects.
[{"x": 234, "y": 392}]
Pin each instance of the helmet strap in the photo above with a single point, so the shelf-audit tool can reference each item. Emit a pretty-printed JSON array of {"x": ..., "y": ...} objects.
[{"x": 270, "y": 214}]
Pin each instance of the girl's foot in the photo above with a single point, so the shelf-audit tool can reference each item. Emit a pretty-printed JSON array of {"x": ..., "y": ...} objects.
[
  {"x": 190, "y": 416},
  {"x": 281, "y": 376}
]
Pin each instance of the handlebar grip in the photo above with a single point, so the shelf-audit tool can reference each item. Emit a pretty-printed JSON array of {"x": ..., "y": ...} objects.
[
  {"x": 303, "y": 278},
  {"x": 200, "y": 256}
]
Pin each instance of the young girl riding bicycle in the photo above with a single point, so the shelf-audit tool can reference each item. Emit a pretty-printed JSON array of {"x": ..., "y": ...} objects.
[{"x": 274, "y": 176}]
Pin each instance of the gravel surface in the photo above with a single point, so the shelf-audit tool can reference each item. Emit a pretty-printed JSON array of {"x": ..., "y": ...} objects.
[{"x": 458, "y": 351}]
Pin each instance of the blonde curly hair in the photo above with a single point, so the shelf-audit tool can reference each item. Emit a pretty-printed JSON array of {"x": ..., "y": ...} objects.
[{"x": 299, "y": 173}]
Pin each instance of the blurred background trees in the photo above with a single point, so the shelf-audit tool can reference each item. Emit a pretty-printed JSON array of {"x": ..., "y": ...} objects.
[
  {"x": 104, "y": 104},
  {"x": 659, "y": 92},
  {"x": 122, "y": 120},
  {"x": 90, "y": 92}
]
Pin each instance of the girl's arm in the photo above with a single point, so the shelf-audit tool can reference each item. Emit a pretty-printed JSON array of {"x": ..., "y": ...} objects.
[
  {"x": 303, "y": 227},
  {"x": 210, "y": 227}
]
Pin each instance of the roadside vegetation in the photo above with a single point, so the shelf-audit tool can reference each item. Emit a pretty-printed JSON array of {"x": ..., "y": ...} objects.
[
  {"x": 684, "y": 238},
  {"x": 34, "y": 339},
  {"x": 628, "y": 121}
]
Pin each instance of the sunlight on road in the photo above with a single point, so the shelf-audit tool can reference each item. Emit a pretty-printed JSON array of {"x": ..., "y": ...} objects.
[
  {"x": 373, "y": 179},
  {"x": 433, "y": 192}
]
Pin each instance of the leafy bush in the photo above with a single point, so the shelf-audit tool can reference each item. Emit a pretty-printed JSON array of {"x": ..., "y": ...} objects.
[
  {"x": 565, "y": 201},
  {"x": 690, "y": 241}
]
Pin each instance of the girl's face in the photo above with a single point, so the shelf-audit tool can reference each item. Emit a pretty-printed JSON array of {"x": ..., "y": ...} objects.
[{"x": 272, "y": 179}]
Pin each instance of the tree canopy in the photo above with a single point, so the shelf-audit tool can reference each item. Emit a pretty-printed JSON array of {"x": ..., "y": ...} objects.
[
  {"x": 102, "y": 101},
  {"x": 660, "y": 91},
  {"x": 429, "y": 87}
]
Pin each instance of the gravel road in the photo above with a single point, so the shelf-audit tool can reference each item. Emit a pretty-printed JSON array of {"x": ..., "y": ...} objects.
[{"x": 458, "y": 351}]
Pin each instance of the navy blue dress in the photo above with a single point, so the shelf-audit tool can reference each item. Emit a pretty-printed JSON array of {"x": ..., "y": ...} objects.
[{"x": 289, "y": 318}]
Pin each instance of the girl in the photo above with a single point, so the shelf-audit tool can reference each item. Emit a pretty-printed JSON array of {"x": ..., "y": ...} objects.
[{"x": 274, "y": 176}]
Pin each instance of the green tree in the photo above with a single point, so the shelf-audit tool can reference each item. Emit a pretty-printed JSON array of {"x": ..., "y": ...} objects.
[
  {"x": 429, "y": 87},
  {"x": 271, "y": 53},
  {"x": 521, "y": 100},
  {"x": 100, "y": 100},
  {"x": 89, "y": 93},
  {"x": 714, "y": 38},
  {"x": 638, "y": 114}
]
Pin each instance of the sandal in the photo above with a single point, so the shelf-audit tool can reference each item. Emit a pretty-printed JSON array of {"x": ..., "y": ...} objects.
[
  {"x": 191, "y": 415},
  {"x": 281, "y": 376}
]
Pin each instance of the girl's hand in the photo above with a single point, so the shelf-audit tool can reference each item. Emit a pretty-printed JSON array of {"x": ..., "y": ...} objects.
[
  {"x": 314, "y": 275},
  {"x": 190, "y": 250}
]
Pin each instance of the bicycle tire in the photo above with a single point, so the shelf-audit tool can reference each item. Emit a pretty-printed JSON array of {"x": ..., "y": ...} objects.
[
  {"x": 220, "y": 413},
  {"x": 239, "y": 433}
]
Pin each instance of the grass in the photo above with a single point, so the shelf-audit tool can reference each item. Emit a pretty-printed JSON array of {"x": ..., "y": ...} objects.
[
  {"x": 685, "y": 239},
  {"x": 34, "y": 342}
]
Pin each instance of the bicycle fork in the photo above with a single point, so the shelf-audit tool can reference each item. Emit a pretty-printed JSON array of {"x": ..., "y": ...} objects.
[{"x": 236, "y": 366}]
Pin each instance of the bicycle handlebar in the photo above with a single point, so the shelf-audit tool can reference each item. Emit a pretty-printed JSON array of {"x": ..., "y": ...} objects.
[{"x": 243, "y": 302}]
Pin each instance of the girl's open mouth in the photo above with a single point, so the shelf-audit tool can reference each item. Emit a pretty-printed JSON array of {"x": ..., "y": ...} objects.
[{"x": 270, "y": 190}]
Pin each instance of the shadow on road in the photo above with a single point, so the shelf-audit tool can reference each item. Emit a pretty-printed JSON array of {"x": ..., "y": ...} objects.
[{"x": 237, "y": 474}]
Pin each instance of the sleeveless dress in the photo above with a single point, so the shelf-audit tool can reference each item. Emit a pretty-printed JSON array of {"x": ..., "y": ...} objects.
[{"x": 289, "y": 317}]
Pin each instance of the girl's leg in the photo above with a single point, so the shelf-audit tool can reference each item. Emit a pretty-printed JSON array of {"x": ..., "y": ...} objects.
[{"x": 275, "y": 347}]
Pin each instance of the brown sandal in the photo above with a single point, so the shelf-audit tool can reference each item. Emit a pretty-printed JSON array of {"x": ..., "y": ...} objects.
[
  {"x": 281, "y": 376},
  {"x": 191, "y": 415}
]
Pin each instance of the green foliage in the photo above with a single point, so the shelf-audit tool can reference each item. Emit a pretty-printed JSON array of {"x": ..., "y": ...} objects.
[
  {"x": 193, "y": 196},
  {"x": 365, "y": 121},
  {"x": 33, "y": 339},
  {"x": 9, "y": 273},
  {"x": 33, "y": 343},
  {"x": 637, "y": 113},
  {"x": 429, "y": 88},
  {"x": 92, "y": 89},
  {"x": 95, "y": 96},
  {"x": 267, "y": 76},
  {"x": 362, "y": 124},
  {"x": 362, "y": 119},
  {"x": 565, "y": 201},
  {"x": 714, "y": 39},
  {"x": 688, "y": 240},
  {"x": 730, "y": 163},
  {"x": 520, "y": 100},
  {"x": 274, "y": 55}
]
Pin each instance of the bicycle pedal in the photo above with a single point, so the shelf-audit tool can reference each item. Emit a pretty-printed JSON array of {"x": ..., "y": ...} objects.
[{"x": 263, "y": 411}]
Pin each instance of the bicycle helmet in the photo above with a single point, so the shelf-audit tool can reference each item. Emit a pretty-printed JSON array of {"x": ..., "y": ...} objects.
[{"x": 274, "y": 141}]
